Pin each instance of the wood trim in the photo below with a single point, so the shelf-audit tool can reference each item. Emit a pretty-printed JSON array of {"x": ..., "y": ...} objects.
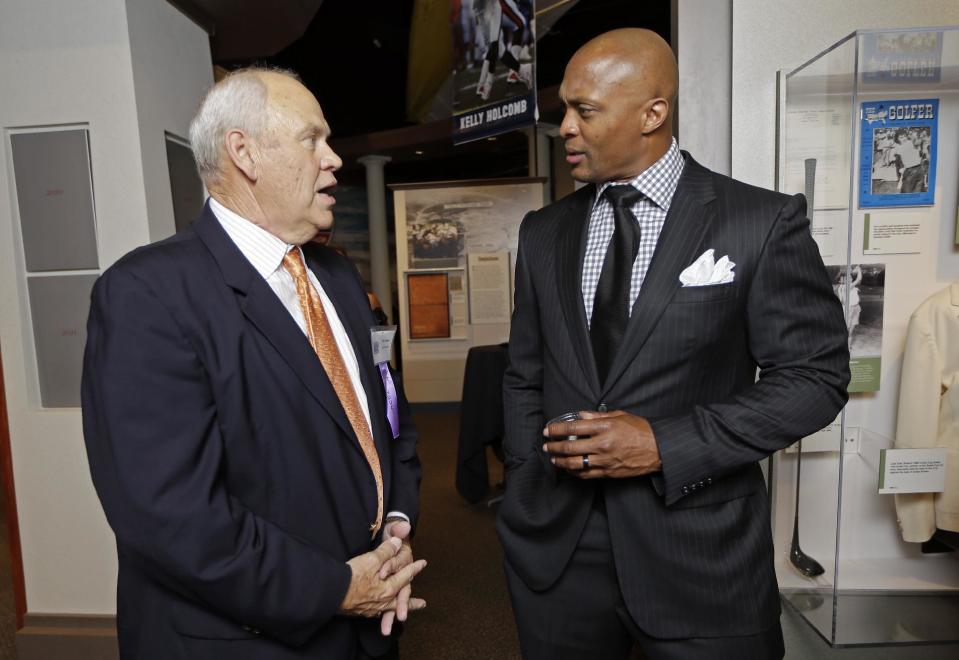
[
  {"x": 79, "y": 637},
  {"x": 10, "y": 504}
]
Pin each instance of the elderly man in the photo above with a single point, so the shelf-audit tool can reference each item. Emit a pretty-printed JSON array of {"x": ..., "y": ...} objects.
[
  {"x": 253, "y": 457},
  {"x": 647, "y": 300}
]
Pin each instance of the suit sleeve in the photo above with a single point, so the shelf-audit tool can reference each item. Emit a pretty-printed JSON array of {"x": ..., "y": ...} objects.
[
  {"x": 523, "y": 381},
  {"x": 156, "y": 454},
  {"x": 797, "y": 337},
  {"x": 918, "y": 423}
]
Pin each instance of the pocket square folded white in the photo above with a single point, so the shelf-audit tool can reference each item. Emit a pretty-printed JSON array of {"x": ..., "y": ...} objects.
[{"x": 705, "y": 271}]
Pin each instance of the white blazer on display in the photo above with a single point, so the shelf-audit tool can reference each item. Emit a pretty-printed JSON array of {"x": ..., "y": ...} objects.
[{"x": 929, "y": 411}]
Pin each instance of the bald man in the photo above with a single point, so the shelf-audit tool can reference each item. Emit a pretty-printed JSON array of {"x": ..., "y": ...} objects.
[
  {"x": 258, "y": 467},
  {"x": 646, "y": 301}
]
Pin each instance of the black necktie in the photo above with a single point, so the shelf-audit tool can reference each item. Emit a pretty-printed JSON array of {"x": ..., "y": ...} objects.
[{"x": 611, "y": 303}]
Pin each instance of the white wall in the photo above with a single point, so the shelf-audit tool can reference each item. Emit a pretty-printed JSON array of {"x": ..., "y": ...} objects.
[
  {"x": 69, "y": 62},
  {"x": 171, "y": 71},
  {"x": 702, "y": 39}
]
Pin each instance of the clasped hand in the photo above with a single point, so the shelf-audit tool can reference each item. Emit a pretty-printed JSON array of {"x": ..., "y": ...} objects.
[
  {"x": 619, "y": 445},
  {"x": 381, "y": 580}
]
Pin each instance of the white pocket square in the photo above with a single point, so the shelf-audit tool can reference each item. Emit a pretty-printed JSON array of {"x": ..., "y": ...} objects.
[{"x": 705, "y": 271}]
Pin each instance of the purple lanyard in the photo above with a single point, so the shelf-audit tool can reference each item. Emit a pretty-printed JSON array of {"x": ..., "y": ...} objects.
[{"x": 392, "y": 406}]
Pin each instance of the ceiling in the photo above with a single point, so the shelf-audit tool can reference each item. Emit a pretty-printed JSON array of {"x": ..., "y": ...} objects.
[{"x": 353, "y": 57}]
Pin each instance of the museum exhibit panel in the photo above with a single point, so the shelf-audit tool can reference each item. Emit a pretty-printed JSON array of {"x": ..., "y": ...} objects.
[
  {"x": 455, "y": 255},
  {"x": 866, "y": 511}
]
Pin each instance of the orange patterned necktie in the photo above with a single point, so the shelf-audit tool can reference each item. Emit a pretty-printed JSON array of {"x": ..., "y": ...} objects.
[{"x": 324, "y": 343}]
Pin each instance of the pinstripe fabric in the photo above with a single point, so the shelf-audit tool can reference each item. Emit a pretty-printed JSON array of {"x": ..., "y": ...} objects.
[
  {"x": 692, "y": 544},
  {"x": 658, "y": 183}
]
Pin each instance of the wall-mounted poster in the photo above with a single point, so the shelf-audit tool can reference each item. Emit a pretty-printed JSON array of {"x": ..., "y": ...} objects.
[
  {"x": 897, "y": 160},
  {"x": 444, "y": 224},
  {"x": 429, "y": 303},
  {"x": 864, "y": 285},
  {"x": 494, "y": 70}
]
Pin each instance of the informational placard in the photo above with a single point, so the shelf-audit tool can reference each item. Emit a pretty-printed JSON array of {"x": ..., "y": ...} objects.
[
  {"x": 828, "y": 229},
  {"x": 489, "y": 291},
  {"x": 459, "y": 305},
  {"x": 898, "y": 150},
  {"x": 429, "y": 305},
  {"x": 912, "y": 471},
  {"x": 861, "y": 290},
  {"x": 898, "y": 233},
  {"x": 494, "y": 74}
]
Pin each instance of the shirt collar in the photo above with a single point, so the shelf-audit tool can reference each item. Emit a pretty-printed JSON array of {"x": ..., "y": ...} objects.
[
  {"x": 261, "y": 248},
  {"x": 659, "y": 181}
]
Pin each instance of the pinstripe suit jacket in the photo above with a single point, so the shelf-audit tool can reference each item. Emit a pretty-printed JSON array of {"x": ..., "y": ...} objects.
[{"x": 692, "y": 544}]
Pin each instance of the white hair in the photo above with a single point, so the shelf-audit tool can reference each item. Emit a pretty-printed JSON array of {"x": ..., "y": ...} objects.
[{"x": 239, "y": 101}]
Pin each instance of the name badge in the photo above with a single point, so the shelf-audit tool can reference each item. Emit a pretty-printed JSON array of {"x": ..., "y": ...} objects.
[{"x": 382, "y": 338}]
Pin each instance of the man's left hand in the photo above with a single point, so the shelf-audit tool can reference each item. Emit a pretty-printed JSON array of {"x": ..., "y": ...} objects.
[{"x": 619, "y": 445}]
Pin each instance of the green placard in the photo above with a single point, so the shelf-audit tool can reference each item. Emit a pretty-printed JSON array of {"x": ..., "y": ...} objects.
[{"x": 865, "y": 374}]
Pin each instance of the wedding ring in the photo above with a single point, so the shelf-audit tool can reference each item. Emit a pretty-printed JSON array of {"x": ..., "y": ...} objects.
[{"x": 585, "y": 462}]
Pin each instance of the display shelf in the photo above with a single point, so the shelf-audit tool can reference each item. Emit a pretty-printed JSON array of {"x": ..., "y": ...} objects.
[{"x": 886, "y": 231}]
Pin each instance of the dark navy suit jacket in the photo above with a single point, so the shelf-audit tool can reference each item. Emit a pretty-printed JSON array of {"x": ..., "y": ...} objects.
[
  {"x": 692, "y": 544},
  {"x": 224, "y": 461}
]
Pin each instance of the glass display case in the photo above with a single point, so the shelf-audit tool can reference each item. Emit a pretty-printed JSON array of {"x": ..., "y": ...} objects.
[{"x": 867, "y": 130}]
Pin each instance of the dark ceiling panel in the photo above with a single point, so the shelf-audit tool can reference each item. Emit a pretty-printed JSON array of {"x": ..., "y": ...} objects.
[{"x": 353, "y": 57}]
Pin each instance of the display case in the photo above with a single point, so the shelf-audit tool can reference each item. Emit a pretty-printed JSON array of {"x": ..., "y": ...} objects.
[{"x": 867, "y": 130}]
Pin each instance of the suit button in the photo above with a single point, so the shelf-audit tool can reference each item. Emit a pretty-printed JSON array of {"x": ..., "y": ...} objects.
[
  {"x": 702, "y": 484},
  {"x": 709, "y": 481},
  {"x": 602, "y": 408},
  {"x": 685, "y": 490}
]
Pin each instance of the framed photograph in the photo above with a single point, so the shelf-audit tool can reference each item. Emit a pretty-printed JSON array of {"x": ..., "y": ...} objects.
[
  {"x": 862, "y": 291},
  {"x": 897, "y": 160},
  {"x": 429, "y": 305}
]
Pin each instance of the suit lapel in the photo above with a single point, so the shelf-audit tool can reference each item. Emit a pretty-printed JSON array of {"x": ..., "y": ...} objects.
[
  {"x": 261, "y": 306},
  {"x": 573, "y": 226},
  {"x": 679, "y": 244}
]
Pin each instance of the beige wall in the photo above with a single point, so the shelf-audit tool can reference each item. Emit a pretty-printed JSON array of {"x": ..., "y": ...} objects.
[{"x": 71, "y": 62}]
